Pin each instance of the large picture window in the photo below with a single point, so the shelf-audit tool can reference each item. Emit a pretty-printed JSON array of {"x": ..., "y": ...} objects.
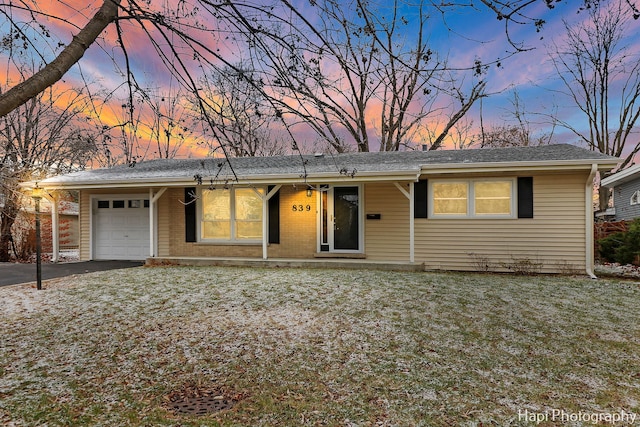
[
  {"x": 231, "y": 214},
  {"x": 478, "y": 198}
]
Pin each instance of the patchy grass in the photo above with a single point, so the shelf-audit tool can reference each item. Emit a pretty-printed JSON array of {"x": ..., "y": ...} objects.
[{"x": 317, "y": 347}]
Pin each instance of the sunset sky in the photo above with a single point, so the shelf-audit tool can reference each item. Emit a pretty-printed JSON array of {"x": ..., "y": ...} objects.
[{"x": 469, "y": 34}]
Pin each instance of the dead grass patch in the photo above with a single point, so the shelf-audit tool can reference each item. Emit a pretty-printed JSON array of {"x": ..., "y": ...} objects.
[{"x": 316, "y": 347}]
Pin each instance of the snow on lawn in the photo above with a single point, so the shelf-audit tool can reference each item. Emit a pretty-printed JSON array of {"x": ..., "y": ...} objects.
[{"x": 317, "y": 347}]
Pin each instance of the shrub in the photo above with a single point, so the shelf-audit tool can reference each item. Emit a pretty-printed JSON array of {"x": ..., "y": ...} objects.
[{"x": 622, "y": 247}]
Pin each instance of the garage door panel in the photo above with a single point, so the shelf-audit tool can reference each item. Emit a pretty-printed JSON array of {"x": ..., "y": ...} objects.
[
  {"x": 122, "y": 232},
  {"x": 139, "y": 222}
]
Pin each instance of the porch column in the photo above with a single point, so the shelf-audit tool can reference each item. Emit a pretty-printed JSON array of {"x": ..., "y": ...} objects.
[
  {"x": 55, "y": 230},
  {"x": 412, "y": 223},
  {"x": 153, "y": 238},
  {"x": 410, "y": 195},
  {"x": 55, "y": 226},
  {"x": 265, "y": 218}
]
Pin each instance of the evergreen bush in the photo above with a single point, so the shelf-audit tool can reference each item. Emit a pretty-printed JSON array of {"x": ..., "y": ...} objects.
[{"x": 622, "y": 247}]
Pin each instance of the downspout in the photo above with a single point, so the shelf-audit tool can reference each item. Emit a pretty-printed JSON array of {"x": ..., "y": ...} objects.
[{"x": 588, "y": 194}]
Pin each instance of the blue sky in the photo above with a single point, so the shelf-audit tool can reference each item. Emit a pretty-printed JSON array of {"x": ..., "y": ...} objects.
[{"x": 472, "y": 33}]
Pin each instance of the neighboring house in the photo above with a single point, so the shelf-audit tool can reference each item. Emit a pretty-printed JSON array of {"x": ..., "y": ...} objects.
[
  {"x": 625, "y": 187},
  {"x": 68, "y": 223},
  {"x": 483, "y": 209}
]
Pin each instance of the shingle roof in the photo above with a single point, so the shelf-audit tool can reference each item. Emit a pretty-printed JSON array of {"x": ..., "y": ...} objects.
[{"x": 310, "y": 165}]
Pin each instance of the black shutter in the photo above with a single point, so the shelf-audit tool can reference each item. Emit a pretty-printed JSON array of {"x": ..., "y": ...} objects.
[
  {"x": 420, "y": 192},
  {"x": 274, "y": 217},
  {"x": 190, "y": 214},
  {"x": 525, "y": 197}
]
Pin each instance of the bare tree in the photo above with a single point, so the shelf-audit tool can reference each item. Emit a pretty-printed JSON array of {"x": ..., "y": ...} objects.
[
  {"x": 172, "y": 122},
  {"x": 601, "y": 76},
  {"x": 245, "y": 121},
  {"x": 44, "y": 136},
  {"x": 122, "y": 140},
  {"x": 516, "y": 130},
  {"x": 356, "y": 73}
]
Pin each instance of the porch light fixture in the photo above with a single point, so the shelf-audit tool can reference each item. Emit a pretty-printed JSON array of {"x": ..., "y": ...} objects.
[
  {"x": 309, "y": 192},
  {"x": 36, "y": 195}
]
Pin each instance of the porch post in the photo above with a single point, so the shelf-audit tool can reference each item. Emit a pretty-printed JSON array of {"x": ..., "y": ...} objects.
[
  {"x": 55, "y": 229},
  {"x": 153, "y": 238},
  {"x": 55, "y": 226},
  {"x": 265, "y": 218},
  {"x": 265, "y": 227},
  {"x": 412, "y": 227},
  {"x": 152, "y": 225},
  {"x": 410, "y": 195}
]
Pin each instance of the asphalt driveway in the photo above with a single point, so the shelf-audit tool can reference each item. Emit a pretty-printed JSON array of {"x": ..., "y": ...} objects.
[{"x": 14, "y": 273}]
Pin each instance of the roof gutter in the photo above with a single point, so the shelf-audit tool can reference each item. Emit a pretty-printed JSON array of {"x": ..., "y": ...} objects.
[
  {"x": 358, "y": 177},
  {"x": 565, "y": 165}
]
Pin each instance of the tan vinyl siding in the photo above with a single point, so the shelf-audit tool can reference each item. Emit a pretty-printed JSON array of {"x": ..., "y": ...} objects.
[
  {"x": 555, "y": 237},
  {"x": 387, "y": 238},
  {"x": 84, "y": 218}
]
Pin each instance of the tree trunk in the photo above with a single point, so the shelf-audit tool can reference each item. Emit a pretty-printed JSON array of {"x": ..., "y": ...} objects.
[
  {"x": 57, "y": 68},
  {"x": 604, "y": 193}
]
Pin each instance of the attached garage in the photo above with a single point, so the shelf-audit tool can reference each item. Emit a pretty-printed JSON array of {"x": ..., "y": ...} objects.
[{"x": 120, "y": 227}]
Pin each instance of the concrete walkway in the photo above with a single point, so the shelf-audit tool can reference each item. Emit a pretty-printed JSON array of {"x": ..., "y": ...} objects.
[{"x": 15, "y": 273}]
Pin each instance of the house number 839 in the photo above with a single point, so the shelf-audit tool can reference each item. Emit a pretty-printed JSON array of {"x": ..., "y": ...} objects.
[{"x": 301, "y": 208}]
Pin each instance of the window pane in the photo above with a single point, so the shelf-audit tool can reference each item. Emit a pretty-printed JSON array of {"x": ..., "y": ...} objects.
[
  {"x": 248, "y": 214},
  {"x": 250, "y": 230},
  {"x": 118, "y": 204},
  {"x": 450, "y": 198},
  {"x": 216, "y": 205},
  {"x": 216, "y": 230},
  {"x": 248, "y": 205},
  {"x": 103, "y": 204},
  {"x": 492, "y": 197}
]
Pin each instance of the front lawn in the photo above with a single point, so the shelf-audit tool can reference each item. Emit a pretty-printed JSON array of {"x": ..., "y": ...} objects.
[{"x": 304, "y": 347}]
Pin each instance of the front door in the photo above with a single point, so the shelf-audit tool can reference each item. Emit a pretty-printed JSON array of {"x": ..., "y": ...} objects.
[{"x": 340, "y": 219}]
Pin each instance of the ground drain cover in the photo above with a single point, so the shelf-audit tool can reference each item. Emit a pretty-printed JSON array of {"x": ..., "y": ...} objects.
[{"x": 199, "y": 402}]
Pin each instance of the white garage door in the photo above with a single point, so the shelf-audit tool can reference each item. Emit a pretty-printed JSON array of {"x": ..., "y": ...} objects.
[{"x": 121, "y": 228}]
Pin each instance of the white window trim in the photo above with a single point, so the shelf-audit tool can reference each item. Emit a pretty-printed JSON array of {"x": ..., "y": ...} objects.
[
  {"x": 635, "y": 198},
  {"x": 232, "y": 240},
  {"x": 471, "y": 199}
]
